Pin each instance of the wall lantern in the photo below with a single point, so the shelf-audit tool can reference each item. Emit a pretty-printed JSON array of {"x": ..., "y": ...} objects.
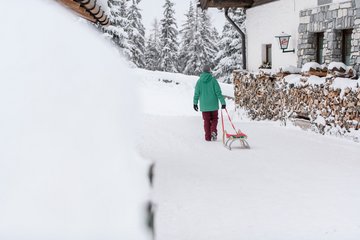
[{"x": 284, "y": 42}]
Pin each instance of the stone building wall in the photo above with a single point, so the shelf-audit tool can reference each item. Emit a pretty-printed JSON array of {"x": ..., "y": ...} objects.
[
  {"x": 356, "y": 37},
  {"x": 330, "y": 20}
]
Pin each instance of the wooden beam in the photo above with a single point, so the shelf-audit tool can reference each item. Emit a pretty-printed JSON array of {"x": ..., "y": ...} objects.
[
  {"x": 78, "y": 9},
  {"x": 230, "y": 3},
  {"x": 261, "y": 2},
  {"x": 89, "y": 10},
  {"x": 204, "y": 4}
]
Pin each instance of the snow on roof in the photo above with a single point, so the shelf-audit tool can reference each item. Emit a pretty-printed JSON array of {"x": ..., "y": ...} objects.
[
  {"x": 104, "y": 6},
  {"x": 204, "y": 4}
]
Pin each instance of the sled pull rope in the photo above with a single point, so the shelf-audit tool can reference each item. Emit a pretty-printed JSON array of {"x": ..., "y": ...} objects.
[
  {"x": 222, "y": 124},
  {"x": 222, "y": 119}
]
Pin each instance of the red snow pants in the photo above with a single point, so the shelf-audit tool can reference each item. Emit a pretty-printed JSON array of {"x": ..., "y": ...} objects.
[{"x": 210, "y": 123}]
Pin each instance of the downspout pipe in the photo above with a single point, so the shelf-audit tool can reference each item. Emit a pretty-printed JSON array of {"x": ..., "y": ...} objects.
[{"x": 242, "y": 34}]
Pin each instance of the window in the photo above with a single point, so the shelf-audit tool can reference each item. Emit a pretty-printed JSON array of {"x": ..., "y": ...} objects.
[
  {"x": 346, "y": 46},
  {"x": 323, "y": 2},
  {"x": 320, "y": 48},
  {"x": 268, "y": 53},
  {"x": 266, "y": 56}
]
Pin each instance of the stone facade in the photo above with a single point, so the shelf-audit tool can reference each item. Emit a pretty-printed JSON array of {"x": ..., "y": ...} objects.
[{"x": 330, "y": 20}]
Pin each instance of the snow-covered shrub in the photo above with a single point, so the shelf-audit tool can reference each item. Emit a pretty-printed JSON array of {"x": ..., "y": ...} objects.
[{"x": 265, "y": 65}]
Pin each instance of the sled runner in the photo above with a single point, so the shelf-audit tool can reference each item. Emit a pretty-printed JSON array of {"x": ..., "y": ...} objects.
[{"x": 228, "y": 138}]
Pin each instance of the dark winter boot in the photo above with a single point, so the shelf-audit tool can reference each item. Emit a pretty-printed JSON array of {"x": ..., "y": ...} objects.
[{"x": 213, "y": 136}]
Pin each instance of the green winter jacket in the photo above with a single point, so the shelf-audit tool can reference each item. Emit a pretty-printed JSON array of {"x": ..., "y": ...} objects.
[{"x": 208, "y": 90}]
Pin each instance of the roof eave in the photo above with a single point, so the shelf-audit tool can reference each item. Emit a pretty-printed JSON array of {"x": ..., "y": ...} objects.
[
  {"x": 205, "y": 4},
  {"x": 88, "y": 9}
]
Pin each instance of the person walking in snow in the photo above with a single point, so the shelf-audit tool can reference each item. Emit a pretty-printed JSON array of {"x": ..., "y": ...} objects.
[{"x": 208, "y": 91}]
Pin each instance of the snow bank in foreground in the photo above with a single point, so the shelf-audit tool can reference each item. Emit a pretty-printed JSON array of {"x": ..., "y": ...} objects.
[{"x": 68, "y": 166}]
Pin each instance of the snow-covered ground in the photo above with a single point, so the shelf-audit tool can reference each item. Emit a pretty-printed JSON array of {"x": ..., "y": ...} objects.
[{"x": 291, "y": 184}]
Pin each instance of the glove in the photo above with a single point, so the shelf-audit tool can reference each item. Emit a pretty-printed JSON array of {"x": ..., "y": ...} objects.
[
  {"x": 223, "y": 106},
  {"x": 196, "y": 108}
]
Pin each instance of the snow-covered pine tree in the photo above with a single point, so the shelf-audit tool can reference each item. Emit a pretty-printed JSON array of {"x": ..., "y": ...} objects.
[
  {"x": 216, "y": 37},
  {"x": 136, "y": 35},
  {"x": 229, "y": 57},
  {"x": 193, "y": 57},
  {"x": 199, "y": 43},
  {"x": 187, "y": 33},
  {"x": 119, "y": 22},
  {"x": 209, "y": 38},
  {"x": 152, "y": 53},
  {"x": 168, "y": 39}
]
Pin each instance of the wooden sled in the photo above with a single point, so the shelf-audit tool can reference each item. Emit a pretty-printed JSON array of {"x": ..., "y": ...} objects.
[{"x": 229, "y": 139}]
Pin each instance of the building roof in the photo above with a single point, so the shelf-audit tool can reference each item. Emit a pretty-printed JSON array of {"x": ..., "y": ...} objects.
[
  {"x": 88, "y": 9},
  {"x": 204, "y": 4}
]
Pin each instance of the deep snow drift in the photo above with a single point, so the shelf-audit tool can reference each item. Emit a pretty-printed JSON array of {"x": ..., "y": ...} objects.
[
  {"x": 68, "y": 166},
  {"x": 291, "y": 184}
]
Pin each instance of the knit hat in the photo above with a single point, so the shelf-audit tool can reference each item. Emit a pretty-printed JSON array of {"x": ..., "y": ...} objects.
[{"x": 206, "y": 68}]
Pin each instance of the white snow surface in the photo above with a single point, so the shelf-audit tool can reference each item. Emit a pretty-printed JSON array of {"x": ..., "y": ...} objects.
[
  {"x": 315, "y": 80},
  {"x": 299, "y": 80},
  {"x": 291, "y": 184},
  {"x": 337, "y": 65},
  {"x": 289, "y": 69},
  {"x": 68, "y": 164},
  {"x": 320, "y": 120},
  {"x": 306, "y": 67},
  {"x": 104, "y": 5},
  {"x": 343, "y": 83},
  {"x": 338, "y": 83}
]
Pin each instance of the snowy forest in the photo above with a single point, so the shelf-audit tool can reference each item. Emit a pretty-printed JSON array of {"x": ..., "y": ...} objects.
[{"x": 172, "y": 48}]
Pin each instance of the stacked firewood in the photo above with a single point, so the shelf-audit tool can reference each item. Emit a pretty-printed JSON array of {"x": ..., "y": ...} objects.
[
  {"x": 266, "y": 96},
  {"x": 316, "y": 71},
  {"x": 333, "y": 69}
]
